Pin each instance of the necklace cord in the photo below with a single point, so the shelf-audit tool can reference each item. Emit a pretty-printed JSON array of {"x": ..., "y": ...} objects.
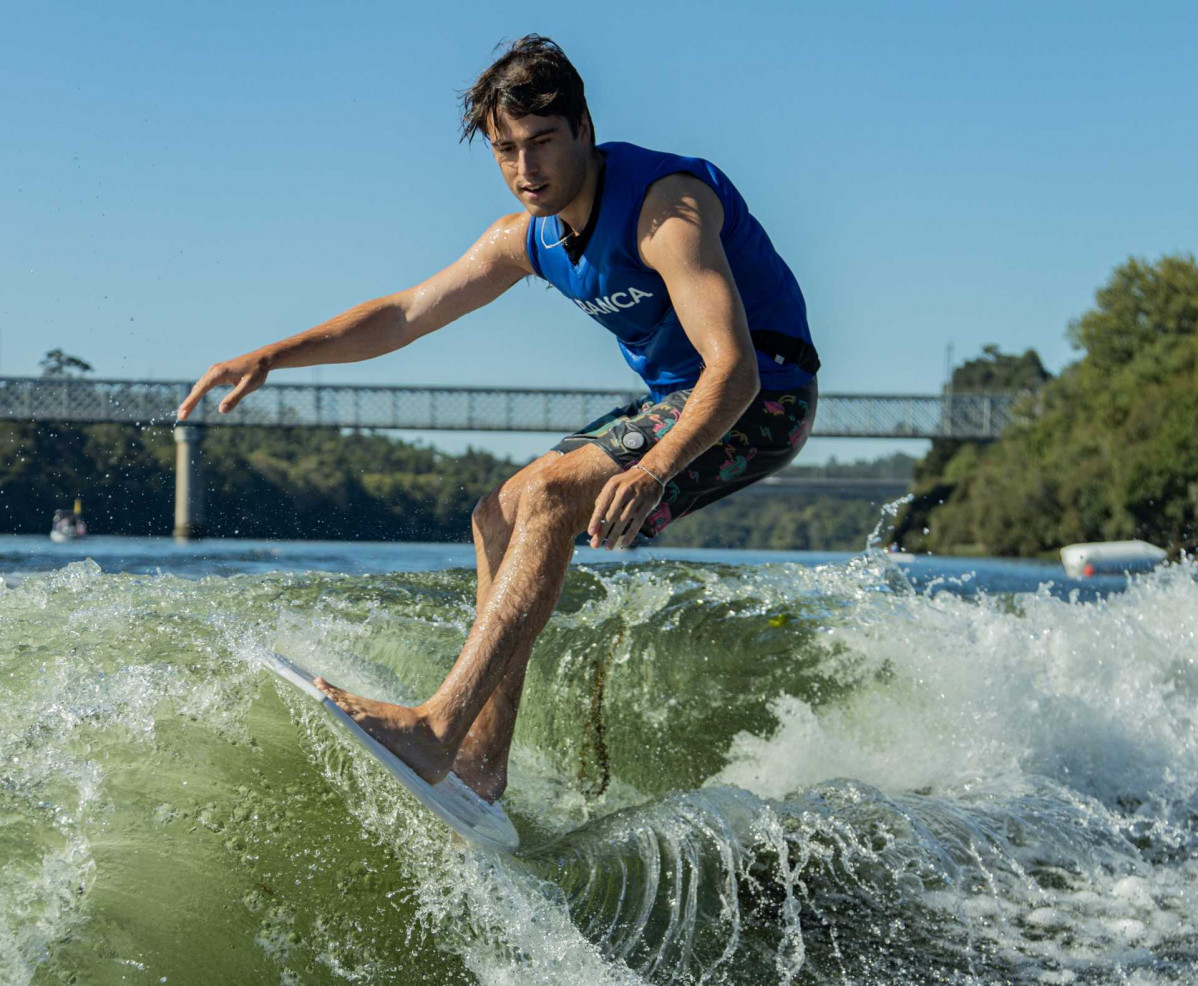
[{"x": 550, "y": 246}]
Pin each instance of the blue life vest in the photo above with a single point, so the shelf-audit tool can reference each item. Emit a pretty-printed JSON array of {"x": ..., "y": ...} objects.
[{"x": 613, "y": 286}]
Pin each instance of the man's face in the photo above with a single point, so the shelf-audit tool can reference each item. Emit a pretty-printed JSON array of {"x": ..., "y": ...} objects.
[{"x": 543, "y": 163}]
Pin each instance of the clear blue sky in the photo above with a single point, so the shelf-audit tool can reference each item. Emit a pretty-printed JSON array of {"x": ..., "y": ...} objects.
[{"x": 183, "y": 182}]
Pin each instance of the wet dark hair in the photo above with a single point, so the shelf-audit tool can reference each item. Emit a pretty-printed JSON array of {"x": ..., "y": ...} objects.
[{"x": 532, "y": 78}]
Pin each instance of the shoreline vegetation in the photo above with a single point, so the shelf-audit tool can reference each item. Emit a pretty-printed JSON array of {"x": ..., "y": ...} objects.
[
  {"x": 1107, "y": 450},
  {"x": 319, "y": 483}
]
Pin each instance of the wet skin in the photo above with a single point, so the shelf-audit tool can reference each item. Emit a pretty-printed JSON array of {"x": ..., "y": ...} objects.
[
  {"x": 467, "y": 725},
  {"x": 524, "y": 530},
  {"x": 524, "y": 538}
]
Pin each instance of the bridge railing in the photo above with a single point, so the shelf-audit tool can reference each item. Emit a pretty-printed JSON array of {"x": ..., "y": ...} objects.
[
  {"x": 151, "y": 402},
  {"x": 964, "y": 416}
]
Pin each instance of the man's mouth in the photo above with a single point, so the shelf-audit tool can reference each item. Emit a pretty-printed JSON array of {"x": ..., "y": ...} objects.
[{"x": 535, "y": 189}]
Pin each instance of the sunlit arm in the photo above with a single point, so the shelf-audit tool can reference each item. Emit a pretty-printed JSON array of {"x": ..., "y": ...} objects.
[
  {"x": 679, "y": 236},
  {"x": 681, "y": 221},
  {"x": 496, "y": 262}
]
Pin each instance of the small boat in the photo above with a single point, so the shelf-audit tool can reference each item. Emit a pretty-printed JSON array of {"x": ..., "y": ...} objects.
[
  {"x": 1110, "y": 558},
  {"x": 68, "y": 524}
]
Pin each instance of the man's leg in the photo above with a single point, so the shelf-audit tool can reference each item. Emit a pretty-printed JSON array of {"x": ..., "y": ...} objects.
[
  {"x": 779, "y": 423},
  {"x": 494, "y": 518},
  {"x": 482, "y": 758},
  {"x": 553, "y": 507}
]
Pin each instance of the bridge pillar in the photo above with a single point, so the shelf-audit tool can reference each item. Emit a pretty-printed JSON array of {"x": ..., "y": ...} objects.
[{"x": 189, "y": 482}]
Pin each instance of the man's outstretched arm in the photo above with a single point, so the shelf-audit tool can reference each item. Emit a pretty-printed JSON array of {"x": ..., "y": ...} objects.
[
  {"x": 679, "y": 237},
  {"x": 495, "y": 262}
]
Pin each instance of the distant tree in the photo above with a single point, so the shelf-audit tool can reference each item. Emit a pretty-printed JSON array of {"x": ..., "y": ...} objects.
[
  {"x": 1142, "y": 305},
  {"x": 950, "y": 461},
  {"x": 997, "y": 372},
  {"x": 56, "y": 363}
]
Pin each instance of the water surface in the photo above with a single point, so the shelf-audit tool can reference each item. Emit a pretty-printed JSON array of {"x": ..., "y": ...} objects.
[{"x": 729, "y": 768}]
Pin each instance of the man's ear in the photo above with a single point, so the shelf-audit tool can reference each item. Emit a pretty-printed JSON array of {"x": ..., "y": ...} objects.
[{"x": 586, "y": 129}]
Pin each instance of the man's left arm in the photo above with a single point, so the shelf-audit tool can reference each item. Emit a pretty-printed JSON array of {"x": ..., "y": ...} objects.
[{"x": 679, "y": 236}]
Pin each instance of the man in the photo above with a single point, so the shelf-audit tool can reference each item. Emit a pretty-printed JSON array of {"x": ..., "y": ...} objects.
[{"x": 662, "y": 251}]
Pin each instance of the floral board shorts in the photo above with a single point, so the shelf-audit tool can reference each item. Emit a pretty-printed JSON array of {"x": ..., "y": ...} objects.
[{"x": 765, "y": 439}]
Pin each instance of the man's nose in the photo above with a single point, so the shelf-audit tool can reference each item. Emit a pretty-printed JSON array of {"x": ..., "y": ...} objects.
[{"x": 529, "y": 166}]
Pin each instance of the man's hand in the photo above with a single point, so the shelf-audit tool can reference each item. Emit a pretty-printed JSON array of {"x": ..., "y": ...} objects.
[
  {"x": 621, "y": 508},
  {"x": 247, "y": 373}
]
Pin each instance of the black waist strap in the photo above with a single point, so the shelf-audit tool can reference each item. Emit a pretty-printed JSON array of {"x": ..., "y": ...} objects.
[{"x": 787, "y": 349}]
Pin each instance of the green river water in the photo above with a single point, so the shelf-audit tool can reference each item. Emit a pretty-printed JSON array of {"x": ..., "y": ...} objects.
[{"x": 727, "y": 769}]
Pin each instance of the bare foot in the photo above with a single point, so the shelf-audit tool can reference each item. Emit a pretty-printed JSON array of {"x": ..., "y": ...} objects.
[
  {"x": 401, "y": 730},
  {"x": 478, "y": 771}
]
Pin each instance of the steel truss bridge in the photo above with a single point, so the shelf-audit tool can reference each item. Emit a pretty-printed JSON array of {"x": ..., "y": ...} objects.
[
  {"x": 150, "y": 403},
  {"x": 978, "y": 417}
]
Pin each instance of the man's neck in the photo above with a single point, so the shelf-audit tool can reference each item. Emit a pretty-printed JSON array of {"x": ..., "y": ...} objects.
[{"x": 576, "y": 214}]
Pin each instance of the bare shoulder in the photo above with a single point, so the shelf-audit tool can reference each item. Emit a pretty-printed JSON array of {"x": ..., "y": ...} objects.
[
  {"x": 677, "y": 209},
  {"x": 504, "y": 243}
]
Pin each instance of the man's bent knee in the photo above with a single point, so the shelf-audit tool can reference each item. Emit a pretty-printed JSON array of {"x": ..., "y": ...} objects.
[
  {"x": 565, "y": 491},
  {"x": 495, "y": 512},
  {"x": 487, "y": 517}
]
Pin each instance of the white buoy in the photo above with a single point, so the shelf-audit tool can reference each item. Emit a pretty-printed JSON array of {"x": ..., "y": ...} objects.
[{"x": 1110, "y": 558}]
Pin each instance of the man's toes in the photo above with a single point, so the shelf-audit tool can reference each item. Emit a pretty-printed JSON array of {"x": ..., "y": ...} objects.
[{"x": 340, "y": 697}]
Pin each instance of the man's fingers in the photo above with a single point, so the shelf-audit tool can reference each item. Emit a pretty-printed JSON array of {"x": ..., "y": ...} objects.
[
  {"x": 624, "y": 535},
  {"x": 610, "y": 526},
  {"x": 606, "y": 522},
  {"x": 599, "y": 514},
  {"x": 203, "y": 385},
  {"x": 630, "y": 523},
  {"x": 234, "y": 396},
  {"x": 621, "y": 513},
  {"x": 602, "y": 528},
  {"x": 245, "y": 374},
  {"x": 637, "y": 512},
  {"x": 629, "y": 532},
  {"x": 216, "y": 374}
]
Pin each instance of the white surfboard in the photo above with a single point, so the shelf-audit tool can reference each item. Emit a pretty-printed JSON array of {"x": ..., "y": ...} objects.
[{"x": 471, "y": 816}]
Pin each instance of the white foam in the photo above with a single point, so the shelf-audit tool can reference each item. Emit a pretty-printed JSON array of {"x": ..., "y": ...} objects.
[
  {"x": 1098, "y": 697},
  {"x": 1084, "y": 709}
]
